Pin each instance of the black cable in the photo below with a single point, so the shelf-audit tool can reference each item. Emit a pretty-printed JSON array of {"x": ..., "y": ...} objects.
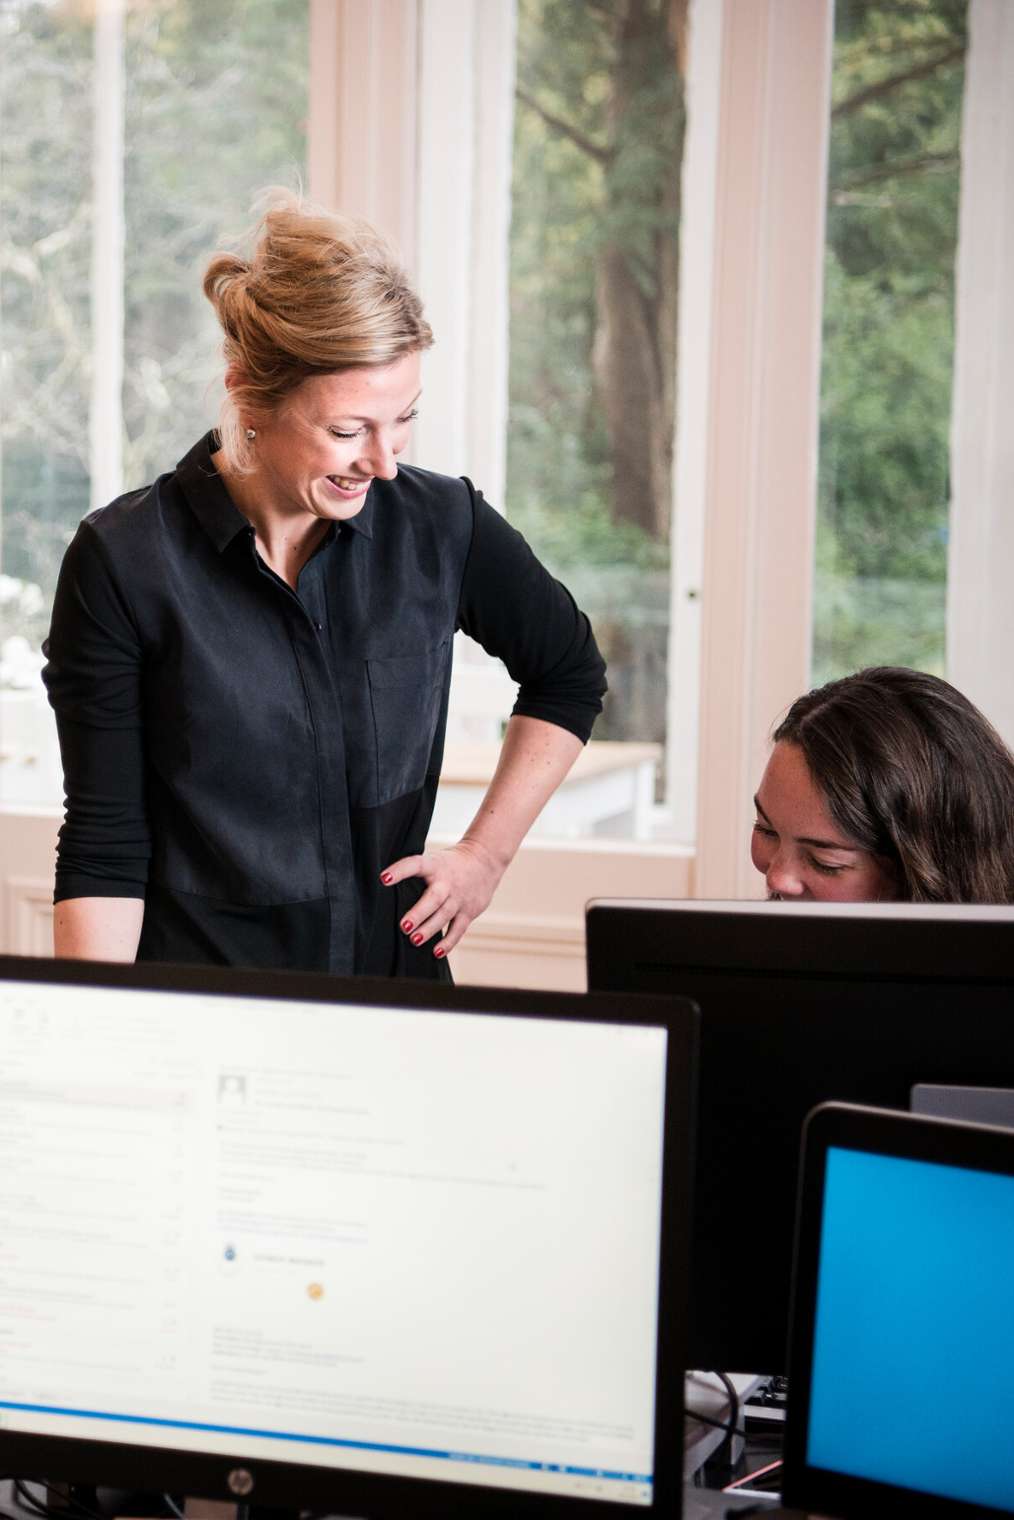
[
  {"x": 731, "y": 1426},
  {"x": 730, "y": 1388},
  {"x": 70, "y": 1505},
  {"x": 705, "y": 1419},
  {"x": 29, "y": 1501}
]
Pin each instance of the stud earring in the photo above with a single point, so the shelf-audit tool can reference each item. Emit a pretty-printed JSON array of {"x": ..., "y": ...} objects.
[{"x": 251, "y": 433}]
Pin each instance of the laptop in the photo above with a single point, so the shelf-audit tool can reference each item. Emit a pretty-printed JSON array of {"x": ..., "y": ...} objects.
[
  {"x": 360, "y": 1248},
  {"x": 902, "y": 1345}
]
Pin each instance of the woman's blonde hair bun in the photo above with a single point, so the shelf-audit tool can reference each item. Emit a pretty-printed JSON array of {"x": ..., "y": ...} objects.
[{"x": 319, "y": 293}]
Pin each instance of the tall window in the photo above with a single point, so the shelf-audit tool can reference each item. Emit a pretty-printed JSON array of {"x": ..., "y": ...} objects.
[
  {"x": 888, "y": 335},
  {"x": 593, "y": 288},
  {"x": 214, "y": 104}
]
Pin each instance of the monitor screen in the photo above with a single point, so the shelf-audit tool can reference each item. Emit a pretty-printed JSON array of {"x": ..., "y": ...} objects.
[
  {"x": 903, "y": 1319},
  {"x": 916, "y": 1262},
  {"x": 801, "y": 1004},
  {"x": 263, "y": 1231}
]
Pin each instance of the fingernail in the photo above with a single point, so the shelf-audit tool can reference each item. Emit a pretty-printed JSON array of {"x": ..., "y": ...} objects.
[
  {"x": 406, "y": 924},
  {"x": 439, "y": 952},
  {"x": 417, "y": 939},
  {"x": 386, "y": 878}
]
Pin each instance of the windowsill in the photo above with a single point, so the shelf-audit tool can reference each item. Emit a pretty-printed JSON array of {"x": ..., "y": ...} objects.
[{"x": 608, "y": 794}]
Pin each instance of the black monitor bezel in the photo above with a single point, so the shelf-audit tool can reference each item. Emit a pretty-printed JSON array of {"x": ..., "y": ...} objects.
[
  {"x": 289, "y": 1486},
  {"x": 878, "y": 1132},
  {"x": 744, "y": 1204}
]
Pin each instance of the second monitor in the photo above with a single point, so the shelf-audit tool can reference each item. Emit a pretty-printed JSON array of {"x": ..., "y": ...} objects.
[{"x": 801, "y": 1004}]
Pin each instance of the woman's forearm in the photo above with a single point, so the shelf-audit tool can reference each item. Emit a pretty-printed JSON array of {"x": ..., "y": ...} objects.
[
  {"x": 460, "y": 881},
  {"x": 534, "y": 759},
  {"x": 97, "y": 928}
]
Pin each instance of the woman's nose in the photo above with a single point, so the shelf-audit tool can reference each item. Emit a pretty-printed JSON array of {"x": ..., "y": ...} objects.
[
  {"x": 380, "y": 457},
  {"x": 782, "y": 877}
]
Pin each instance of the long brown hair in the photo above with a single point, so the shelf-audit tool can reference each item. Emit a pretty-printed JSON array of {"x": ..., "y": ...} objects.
[{"x": 913, "y": 772}]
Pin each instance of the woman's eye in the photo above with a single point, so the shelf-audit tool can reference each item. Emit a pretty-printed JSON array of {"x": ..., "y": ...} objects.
[
  {"x": 762, "y": 828},
  {"x": 409, "y": 416},
  {"x": 337, "y": 433},
  {"x": 825, "y": 869}
]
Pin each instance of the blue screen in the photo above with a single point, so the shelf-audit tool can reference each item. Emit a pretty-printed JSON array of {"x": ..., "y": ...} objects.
[{"x": 913, "y": 1370}]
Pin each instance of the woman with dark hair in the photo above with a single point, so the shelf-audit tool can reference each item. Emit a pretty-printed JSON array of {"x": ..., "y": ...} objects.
[{"x": 887, "y": 784}]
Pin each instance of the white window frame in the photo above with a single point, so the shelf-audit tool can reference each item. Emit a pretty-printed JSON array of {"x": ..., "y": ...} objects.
[
  {"x": 409, "y": 125},
  {"x": 980, "y": 607}
]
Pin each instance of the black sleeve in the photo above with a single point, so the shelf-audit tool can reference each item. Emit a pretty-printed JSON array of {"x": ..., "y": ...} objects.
[
  {"x": 513, "y": 607},
  {"x": 93, "y": 677}
]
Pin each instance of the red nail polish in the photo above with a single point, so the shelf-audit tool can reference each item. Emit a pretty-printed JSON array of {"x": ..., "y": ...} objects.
[
  {"x": 439, "y": 952},
  {"x": 386, "y": 878},
  {"x": 406, "y": 924},
  {"x": 417, "y": 939}
]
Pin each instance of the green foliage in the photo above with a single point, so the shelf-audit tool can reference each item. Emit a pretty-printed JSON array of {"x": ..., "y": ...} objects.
[
  {"x": 598, "y": 128},
  {"x": 888, "y": 334},
  {"x": 215, "y": 107}
]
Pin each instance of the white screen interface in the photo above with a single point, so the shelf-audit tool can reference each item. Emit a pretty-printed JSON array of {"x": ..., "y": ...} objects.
[{"x": 394, "y": 1241}]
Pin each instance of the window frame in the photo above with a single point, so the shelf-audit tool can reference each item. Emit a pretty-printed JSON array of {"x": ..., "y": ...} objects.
[
  {"x": 409, "y": 125},
  {"x": 751, "y": 292}
]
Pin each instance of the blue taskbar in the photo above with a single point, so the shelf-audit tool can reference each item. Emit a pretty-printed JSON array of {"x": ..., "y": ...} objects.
[{"x": 599, "y": 1475}]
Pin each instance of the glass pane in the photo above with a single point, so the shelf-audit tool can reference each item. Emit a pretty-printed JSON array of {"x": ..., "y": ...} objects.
[
  {"x": 594, "y": 258},
  {"x": 892, "y": 227},
  {"x": 215, "y": 108},
  {"x": 45, "y": 146}
]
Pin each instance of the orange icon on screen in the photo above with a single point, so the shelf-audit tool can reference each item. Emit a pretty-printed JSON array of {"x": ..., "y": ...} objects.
[{"x": 315, "y": 1290}]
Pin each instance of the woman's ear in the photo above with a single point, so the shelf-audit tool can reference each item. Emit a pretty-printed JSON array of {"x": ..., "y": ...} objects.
[{"x": 235, "y": 380}]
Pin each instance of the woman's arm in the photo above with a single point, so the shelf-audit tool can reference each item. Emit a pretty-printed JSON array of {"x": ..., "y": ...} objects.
[
  {"x": 93, "y": 676},
  {"x": 97, "y": 928},
  {"x": 518, "y": 612},
  {"x": 460, "y": 881}
]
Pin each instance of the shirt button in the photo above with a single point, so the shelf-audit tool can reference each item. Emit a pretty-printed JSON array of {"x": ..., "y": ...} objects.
[{"x": 319, "y": 626}]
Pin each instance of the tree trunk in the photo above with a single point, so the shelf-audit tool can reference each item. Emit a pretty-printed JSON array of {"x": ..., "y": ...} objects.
[{"x": 634, "y": 354}]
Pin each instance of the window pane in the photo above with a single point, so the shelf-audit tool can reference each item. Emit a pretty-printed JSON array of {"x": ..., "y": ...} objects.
[
  {"x": 888, "y": 335},
  {"x": 215, "y": 107},
  {"x": 595, "y": 214},
  {"x": 45, "y": 145}
]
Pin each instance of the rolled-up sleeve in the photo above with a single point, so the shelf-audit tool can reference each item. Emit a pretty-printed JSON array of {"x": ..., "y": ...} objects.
[
  {"x": 517, "y": 611},
  {"x": 93, "y": 677}
]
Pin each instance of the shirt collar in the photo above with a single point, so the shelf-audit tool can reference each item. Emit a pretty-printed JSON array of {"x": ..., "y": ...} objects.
[{"x": 215, "y": 509}]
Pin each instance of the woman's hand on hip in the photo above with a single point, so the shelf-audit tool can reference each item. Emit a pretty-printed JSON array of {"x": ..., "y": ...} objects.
[{"x": 459, "y": 884}]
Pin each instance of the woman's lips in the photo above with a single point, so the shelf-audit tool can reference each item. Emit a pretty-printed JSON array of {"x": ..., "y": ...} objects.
[{"x": 346, "y": 486}]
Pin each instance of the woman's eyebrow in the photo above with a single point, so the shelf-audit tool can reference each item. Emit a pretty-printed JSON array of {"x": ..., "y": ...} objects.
[{"x": 819, "y": 844}]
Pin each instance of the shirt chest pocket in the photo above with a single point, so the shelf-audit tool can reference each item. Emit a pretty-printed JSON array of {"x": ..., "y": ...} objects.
[{"x": 408, "y": 696}]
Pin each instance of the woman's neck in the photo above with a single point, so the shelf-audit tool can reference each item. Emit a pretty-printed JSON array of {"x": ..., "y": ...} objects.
[{"x": 285, "y": 541}]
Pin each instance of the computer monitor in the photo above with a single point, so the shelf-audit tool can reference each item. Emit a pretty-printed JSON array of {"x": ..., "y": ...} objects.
[
  {"x": 902, "y": 1400},
  {"x": 800, "y": 1004},
  {"x": 368, "y": 1248}
]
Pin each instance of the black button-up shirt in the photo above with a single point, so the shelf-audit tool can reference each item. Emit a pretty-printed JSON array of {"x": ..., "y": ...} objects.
[{"x": 247, "y": 757}]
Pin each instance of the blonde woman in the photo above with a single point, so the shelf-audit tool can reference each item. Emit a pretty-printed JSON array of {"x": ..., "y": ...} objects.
[{"x": 249, "y": 659}]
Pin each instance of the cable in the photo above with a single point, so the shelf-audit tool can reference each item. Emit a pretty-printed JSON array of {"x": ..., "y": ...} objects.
[
  {"x": 71, "y": 1504},
  {"x": 730, "y": 1388},
  {"x": 705, "y": 1419},
  {"x": 30, "y": 1502},
  {"x": 173, "y": 1507},
  {"x": 744, "y": 1482}
]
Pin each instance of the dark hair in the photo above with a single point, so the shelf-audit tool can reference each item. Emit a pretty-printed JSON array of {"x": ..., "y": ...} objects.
[{"x": 913, "y": 772}]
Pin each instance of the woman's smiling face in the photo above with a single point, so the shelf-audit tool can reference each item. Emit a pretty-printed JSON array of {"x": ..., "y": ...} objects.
[
  {"x": 334, "y": 435},
  {"x": 799, "y": 849}
]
